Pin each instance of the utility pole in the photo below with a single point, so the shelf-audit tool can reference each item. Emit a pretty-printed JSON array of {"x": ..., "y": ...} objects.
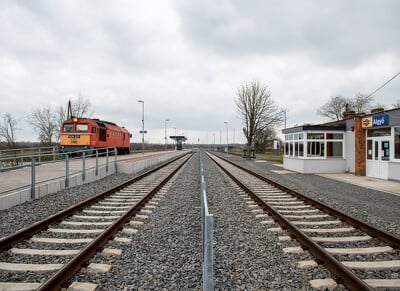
[
  {"x": 166, "y": 120},
  {"x": 141, "y": 101}
]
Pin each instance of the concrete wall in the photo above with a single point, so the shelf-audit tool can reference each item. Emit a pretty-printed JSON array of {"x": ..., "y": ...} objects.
[
  {"x": 350, "y": 151},
  {"x": 310, "y": 166},
  {"x": 394, "y": 171},
  {"x": 127, "y": 167},
  {"x": 53, "y": 186}
]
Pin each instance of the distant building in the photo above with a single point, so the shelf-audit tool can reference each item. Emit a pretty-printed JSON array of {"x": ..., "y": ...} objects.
[{"x": 366, "y": 145}]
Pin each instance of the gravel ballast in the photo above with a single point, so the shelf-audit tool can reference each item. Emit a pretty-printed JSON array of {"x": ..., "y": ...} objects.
[
  {"x": 25, "y": 214},
  {"x": 166, "y": 252},
  {"x": 375, "y": 207}
]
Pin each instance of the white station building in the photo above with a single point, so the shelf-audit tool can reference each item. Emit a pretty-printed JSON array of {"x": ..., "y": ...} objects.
[{"x": 366, "y": 145}]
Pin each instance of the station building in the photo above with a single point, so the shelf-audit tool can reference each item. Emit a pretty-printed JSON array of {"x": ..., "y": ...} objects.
[{"x": 366, "y": 145}]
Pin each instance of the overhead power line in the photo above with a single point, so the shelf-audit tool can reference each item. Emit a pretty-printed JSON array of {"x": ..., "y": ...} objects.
[{"x": 383, "y": 85}]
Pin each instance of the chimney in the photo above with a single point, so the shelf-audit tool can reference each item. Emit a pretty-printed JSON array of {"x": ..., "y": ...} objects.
[
  {"x": 349, "y": 114},
  {"x": 377, "y": 110}
]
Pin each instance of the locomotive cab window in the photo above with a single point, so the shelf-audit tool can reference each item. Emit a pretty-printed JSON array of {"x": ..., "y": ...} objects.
[
  {"x": 82, "y": 127},
  {"x": 68, "y": 128}
]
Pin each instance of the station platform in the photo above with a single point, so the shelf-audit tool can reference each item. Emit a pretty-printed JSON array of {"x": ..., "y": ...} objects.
[
  {"x": 15, "y": 185},
  {"x": 387, "y": 186}
]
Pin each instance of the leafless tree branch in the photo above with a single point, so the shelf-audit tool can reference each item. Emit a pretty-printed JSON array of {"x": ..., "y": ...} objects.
[
  {"x": 8, "y": 128},
  {"x": 257, "y": 110}
]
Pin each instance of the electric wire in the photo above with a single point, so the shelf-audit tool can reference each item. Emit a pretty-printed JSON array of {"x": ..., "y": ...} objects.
[{"x": 387, "y": 82}]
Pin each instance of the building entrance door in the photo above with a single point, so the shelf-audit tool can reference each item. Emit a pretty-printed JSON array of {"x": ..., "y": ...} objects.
[{"x": 378, "y": 156}]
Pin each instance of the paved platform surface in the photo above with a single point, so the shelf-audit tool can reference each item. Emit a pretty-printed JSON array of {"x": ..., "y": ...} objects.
[
  {"x": 387, "y": 186},
  {"x": 21, "y": 178},
  {"x": 367, "y": 182}
]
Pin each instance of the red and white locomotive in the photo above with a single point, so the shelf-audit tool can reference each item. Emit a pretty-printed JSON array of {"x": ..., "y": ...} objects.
[{"x": 77, "y": 134}]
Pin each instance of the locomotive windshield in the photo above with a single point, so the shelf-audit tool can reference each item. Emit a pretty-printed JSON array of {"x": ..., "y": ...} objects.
[
  {"x": 82, "y": 127},
  {"x": 68, "y": 127}
]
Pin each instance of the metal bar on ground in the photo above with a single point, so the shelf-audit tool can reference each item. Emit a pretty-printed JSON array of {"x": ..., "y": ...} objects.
[
  {"x": 83, "y": 166},
  {"x": 106, "y": 160},
  {"x": 207, "y": 226},
  {"x": 33, "y": 181},
  {"x": 66, "y": 171},
  {"x": 97, "y": 162}
]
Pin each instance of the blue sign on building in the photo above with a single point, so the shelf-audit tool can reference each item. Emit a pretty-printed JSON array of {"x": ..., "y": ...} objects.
[
  {"x": 380, "y": 120},
  {"x": 373, "y": 121}
]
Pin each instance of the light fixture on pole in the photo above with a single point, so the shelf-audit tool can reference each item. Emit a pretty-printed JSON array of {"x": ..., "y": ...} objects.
[
  {"x": 227, "y": 142},
  {"x": 214, "y": 141},
  {"x": 166, "y": 120},
  {"x": 141, "y": 101},
  {"x": 175, "y": 138}
]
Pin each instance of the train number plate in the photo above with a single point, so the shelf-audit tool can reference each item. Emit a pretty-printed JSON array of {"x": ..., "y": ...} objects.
[{"x": 74, "y": 136}]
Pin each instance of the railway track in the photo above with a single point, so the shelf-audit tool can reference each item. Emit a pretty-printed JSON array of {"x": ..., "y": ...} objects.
[
  {"x": 358, "y": 255},
  {"x": 46, "y": 255}
]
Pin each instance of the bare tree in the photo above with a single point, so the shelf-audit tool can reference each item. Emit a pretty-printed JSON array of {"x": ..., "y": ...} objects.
[
  {"x": 60, "y": 118},
  {"x": 257, "y": 110},
  {"x": 361, "y": 103},
  {"x": 396, "y": 104},
  {"x": 262, "y": 139},
  {"x": 45, "y": 123},
  {"x": 80, "y": 107},
  {"x": 8, "y": 128},
  {"x": 334, "y": 108}
]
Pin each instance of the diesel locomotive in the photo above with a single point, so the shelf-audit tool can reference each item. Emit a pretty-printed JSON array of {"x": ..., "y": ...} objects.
[{"x": 77, "y": 134}]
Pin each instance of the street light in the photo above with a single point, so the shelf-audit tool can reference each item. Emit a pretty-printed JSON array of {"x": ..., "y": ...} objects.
[
  {"x": 214, "y": 141},
  {"x": 166, "y": 120},
  {"x": 141, "y": 101},
  {"x": 227, "y": 142}
]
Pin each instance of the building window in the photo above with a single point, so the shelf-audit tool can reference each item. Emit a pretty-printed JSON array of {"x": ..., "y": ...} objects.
[
  {"x": 294, "y": 145},
  {"x": 397, "y": 143},
  {"x": 334, "y": 149},
  {"x": 334, "y": 136},
  {"x": 369, "y": 149},
  {"x": 315, "y": 145},
  {"x": 315, "y": 136},
  {"x": 379, "y": 132},
  {"x": 301, "y": 149},
  {"x": 315, "y": 149}
]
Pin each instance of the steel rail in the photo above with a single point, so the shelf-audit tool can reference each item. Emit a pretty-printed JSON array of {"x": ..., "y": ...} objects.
[
  {"x": 390, "y": 239},
  {"x": 334, "y": 266},
  {"x": 25, "y": 233},
  {"x": 57, "y": 281}
]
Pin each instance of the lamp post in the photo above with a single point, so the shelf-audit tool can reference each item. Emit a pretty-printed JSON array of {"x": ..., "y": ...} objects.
[
  {"x": 175, "y": 138},
  {"x": 166, "y": 120},
  {"x": 227, "y": 142},
  {"x": 214, "y": 141},
  {"x": 141, "y": 101}
]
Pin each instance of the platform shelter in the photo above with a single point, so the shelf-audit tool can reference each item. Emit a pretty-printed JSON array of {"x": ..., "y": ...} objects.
[{"x": 179, "y": 140}]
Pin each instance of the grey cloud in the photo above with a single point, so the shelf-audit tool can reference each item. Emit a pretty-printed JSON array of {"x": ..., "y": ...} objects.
[{"x": 334, "y": 32}]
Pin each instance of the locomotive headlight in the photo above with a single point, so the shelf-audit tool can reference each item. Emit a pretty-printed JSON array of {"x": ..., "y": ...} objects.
[{"x": 75, "y": 119}]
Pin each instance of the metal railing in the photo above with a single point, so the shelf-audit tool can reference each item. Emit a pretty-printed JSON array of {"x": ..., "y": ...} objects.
[
  {"x": 17, "y": 158},
  {"x": 207, "y": 227},
  {"x": 36, "y": 160}
]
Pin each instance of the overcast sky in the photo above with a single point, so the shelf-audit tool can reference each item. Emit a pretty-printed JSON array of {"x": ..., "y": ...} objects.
[{"x": 186, "y": 59}]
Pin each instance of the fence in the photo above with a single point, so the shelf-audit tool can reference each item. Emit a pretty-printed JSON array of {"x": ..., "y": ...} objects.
[
  {"x": 207, "y": 227},
  {"x": 37, "y": 159},
  {"x": 17, "y": 158}
]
